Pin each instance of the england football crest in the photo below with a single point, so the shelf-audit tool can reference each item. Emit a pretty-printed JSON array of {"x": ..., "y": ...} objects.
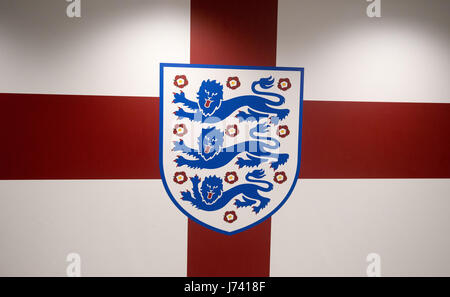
[{"x": 230, "y": 140}]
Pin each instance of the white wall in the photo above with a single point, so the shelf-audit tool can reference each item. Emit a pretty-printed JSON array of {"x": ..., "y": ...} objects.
[
  {"x": 118, "y": 227},
  {"x": 114, "y": 49},
  {"x": 402, "y": 56},
  {"x": 328, "y": 227}
]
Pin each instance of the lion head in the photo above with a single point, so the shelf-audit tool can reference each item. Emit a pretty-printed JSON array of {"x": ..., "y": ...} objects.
[
  {"x": 210, "y": 142},
  {"x": 209, "y": 96},
  {"x": 211, "y": 189}
]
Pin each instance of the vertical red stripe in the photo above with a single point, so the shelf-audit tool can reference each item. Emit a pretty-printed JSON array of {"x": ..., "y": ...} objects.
[{"x": 232, "y": 33}]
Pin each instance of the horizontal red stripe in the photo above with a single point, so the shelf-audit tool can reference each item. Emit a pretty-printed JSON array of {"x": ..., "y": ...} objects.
[
  {"x": 78, "y": 137},
  {"x": 375, "y": 140},
  {"x": 91, "y": 137}
]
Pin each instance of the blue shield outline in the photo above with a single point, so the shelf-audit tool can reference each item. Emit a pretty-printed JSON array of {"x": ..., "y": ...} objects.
[{"x": 161, "y": 137}]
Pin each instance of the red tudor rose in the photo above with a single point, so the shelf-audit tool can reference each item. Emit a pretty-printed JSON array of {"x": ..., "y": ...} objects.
[
  {"x": 283, "y": 131},
  {"x": 230, "y": 216},
  {"x": 180, "y": 130},
  {"x": 280, "y": 177},
  {"x": 284, "y": 84},
  {"x": 231, "y": 177},
  {"x": 180, "y": 177},
  {"x": 233, "y": 82},
  {"x": 180, "y": 81},
  {"x": 232, "y": 130}
]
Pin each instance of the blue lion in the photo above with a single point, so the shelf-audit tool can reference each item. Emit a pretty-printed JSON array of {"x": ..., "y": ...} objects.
[
  {"x": 210, "y": 106},
  {"x": 212, "y": 155},
  {"x": 211, "y": 197}
]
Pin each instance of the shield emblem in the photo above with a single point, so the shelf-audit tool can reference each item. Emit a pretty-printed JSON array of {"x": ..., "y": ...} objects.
[{"x": 230, "y": 140}]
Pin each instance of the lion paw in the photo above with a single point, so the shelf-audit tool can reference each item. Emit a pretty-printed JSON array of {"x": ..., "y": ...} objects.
[
  {"x": 186, "y": 195},
  {"x": 180, "y": 160},
  {"x": 282, "y": 159},
  {"x": 178, "y": 145},
  {"x": 181, "y": 113},
  {"x": 195, "y": 179},
  {"x": 262, "y": 203},
  {"x": 274, "y": 120},
  {"x": 282, "y": 114},
  {"x": 179, "y": 97},
  {"x": 244, "y": 203},
  {"x": 247, "y": 163}
]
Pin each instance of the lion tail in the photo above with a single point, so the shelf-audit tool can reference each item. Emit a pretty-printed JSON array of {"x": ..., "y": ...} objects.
[
  {"x": 266, "y": 83},
  {"x": 255, "y": 177}
]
